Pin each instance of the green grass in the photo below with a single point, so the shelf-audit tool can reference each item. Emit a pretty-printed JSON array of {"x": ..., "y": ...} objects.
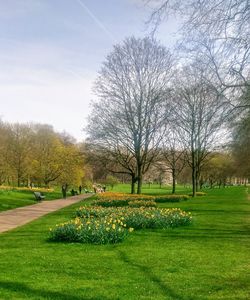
[
  {"x": 208, "y": 260},
  {"x": 153, "y": 189},
  {"x": 10, "y": 199}
]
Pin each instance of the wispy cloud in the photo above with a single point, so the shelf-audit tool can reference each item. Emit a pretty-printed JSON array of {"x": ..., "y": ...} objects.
[{"x": 98, "y": 22}]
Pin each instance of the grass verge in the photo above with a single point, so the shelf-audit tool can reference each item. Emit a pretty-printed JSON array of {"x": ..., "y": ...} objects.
[{"x": 208, "y": 260}]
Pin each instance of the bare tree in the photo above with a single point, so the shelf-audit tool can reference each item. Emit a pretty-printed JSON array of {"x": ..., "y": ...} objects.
[
  {"x": 131, "y": 109},
  {"x": 218, "y": 32},
  {"x": 199, "y": 116},
  {"x": 241, "y": 140},
  {"x": 106, "y": 160}
]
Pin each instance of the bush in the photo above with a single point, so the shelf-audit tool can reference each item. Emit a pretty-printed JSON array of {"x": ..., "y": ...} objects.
[
  {"x": 156, "y": 218},
  {"x": 99, "y": 225},
  {"x": 91, "y": 230},
  {"x": 142, "y": 203},
  {"x": 93, "y": 212},
  {"x": 143, "y": 217},
  {"x": 111, "y": 202},
  {"x": 122, "y": 196},
  {"x": 119, "y": 200},
  {"x": 171, "y": 198}
]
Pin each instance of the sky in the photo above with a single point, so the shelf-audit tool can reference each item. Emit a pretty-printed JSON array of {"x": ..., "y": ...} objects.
[{"x": 51, "y": 51}]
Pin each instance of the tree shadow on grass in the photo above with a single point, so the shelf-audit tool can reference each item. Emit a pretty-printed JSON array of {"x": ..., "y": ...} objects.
[
  {"x": 28, "y": 292},
  {"x": 202, "y": 234},
  {"x": 166, "y": 290}
]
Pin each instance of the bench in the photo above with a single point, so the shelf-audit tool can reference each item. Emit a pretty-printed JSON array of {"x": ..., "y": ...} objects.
[{"x": 39, "y": 196}]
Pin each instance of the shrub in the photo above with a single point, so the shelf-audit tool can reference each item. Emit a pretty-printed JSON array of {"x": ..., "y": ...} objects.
[
  {"x": 26, "y": 189},
  {"x": 157, "y": 218},
  {"x": 99, "y": 225},
  {"x": 90, "y": 212},
  {"x": 142, "y": 203},
  {"x": 119, "y": 200},
  {"x": 111, "y": 202},
  {"x": 171, "y": 198},
  {"x": 122, "y": 196},
  {"x": 143, "y": 217},
  {"x": 91, "y": 230}
]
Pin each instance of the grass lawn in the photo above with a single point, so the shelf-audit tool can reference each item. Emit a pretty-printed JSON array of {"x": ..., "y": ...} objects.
[
  {"x": 10, "y": 199},
  {"x": 207, "y": 260},
  {"x": 152, "y": 189}
]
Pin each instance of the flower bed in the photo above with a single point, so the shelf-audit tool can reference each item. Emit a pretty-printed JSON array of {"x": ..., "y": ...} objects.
[
  {"x": 102, "y": 225},
  {"x": 142, "y": 203},
  {"x": 171, "y": 198},
  {"x": 91, "y": 230},
  {"x": 111, "y": 202},
  {"x": 117, "y": 196},
  {"x": 34, "y": 189},
  {"x": 142, "y": 217},
  {"x": 119, "y": 199}
]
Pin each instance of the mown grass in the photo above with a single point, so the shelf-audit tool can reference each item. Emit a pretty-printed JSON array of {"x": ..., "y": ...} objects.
[
  {"x": 152, "y": 189},
  {"x": 12, "y": 198},
  {"x": 208, "y": 260}
]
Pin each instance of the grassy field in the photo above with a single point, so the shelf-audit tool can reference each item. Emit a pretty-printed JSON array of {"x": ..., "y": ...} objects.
[
  {"x": 12, "y": 198},
  {"x": 207, "y": 260},
  {"x": 152, "y": 189}
]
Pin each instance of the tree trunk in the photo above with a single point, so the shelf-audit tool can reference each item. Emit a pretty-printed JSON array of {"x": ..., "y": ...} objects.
[
  {"x": 174, "y": 181},
  {"x": 133, "y": 181},
  {"x": 193, "y": 174},
  {"x": 139, "y": 185},
  {"x": 201, "y": 182},
  {"x": 193, "y": 182},
  {"x": 18, "y": 180},
  {"x": 197, "y": 177}
]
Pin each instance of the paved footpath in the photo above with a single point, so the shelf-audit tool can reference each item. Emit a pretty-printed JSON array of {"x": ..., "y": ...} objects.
[{"x": 13, "y": 218}]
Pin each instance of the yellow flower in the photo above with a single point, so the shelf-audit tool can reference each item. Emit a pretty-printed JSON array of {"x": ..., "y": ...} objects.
[
  {"x": 131, "y": 229},
  {"x": 113, "y": 226},
  {"x": 107, "y": 229}
]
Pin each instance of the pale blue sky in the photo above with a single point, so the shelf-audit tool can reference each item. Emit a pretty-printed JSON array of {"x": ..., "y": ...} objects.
[{"x": 51, "y": 50}]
